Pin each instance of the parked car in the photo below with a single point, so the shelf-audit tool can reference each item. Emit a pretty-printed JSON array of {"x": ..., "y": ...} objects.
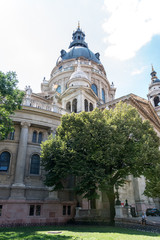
[{"x": 152, "y": 212}]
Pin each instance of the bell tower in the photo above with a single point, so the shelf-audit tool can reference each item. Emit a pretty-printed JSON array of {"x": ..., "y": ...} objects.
[{"x": 154, "y": 91}]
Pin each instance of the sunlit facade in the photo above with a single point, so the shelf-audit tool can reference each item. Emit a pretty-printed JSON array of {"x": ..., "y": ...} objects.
[{"x": 78, "y": 82}]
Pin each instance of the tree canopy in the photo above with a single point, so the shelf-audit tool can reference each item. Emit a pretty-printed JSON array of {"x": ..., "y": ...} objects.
[
  {"x": 100, "y": 148},
  {"x": 153, "y": 182},
  {"x": 10, "y": 100}
]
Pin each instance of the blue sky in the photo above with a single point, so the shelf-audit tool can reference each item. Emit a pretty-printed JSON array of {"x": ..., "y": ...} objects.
[{"x": 126, "y": 33}]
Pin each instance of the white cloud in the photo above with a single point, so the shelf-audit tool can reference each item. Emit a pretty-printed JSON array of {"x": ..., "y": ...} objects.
[
  {"x": 130, "y": 25},
  {"x": 138, "y": 71}
]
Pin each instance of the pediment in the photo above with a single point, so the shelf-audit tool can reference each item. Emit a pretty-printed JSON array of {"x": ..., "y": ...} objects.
[
  {"x": 146, "y": 109},
  {"x": 72, "y": 90},
  {"x": 143, "y": 106}
]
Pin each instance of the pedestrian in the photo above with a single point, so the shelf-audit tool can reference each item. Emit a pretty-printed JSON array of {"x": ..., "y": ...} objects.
[{"x": 143, "y": 218}]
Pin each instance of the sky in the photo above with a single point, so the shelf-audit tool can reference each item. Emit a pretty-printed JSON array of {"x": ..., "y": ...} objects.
[{"x": 126, "y": 33}]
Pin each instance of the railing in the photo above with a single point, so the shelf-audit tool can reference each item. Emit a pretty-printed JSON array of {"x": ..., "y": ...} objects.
[
  {"x": 98, "y": 71},
  {"x": 62, "y": 70},
  {"x": 47, "y": 107}
]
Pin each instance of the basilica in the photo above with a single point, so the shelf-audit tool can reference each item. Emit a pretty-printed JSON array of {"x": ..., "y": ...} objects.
[{"x": 78, "y": 82}]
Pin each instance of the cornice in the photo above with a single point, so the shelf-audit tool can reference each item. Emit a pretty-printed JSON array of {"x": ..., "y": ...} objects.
[{"x": 38, "y": 111}]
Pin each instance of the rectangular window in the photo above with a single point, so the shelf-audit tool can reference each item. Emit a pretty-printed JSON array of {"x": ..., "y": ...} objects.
[
  {"x": 0, "y": 210},
  {"x": 35, "y": 210},
  {"x": 31, "y": 210},
  {"x": 64, "y": 210},
  {"x": 11, "y": 135},
  {"x": 35, "y": 164},
  {"x": 38, "y": 210},
  {"x": 69, "y": 210},
  {"x": 4, "y": 161}
]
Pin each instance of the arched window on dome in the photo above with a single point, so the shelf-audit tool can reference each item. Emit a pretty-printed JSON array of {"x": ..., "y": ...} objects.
[
  {"x": 68, "y": 106},
  {"x": 35, "y": 164},
  {"x": 103, "y": 95},
  {"x": 90, "y": 107},
  {"x": 40, "y": 137},
  {"x": 74, "y": 105},
  {"x": 4, "y": 161},
  {"x": 86, "y": 105},
  {"x": 94, "y": 88},
  {"x": 58, "y": 89},
  {"x": 156, "y": 101},
  {"x": 34, "y": 137}
]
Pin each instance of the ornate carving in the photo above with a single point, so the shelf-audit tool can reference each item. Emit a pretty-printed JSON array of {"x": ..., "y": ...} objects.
[
  {"x": 25, "y": 124},
  {"x": 28, "y": 90}
]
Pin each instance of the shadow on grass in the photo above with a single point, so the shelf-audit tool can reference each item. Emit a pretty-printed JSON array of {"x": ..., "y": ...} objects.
[
  {"x": 31, "y": 234},
  {"x": 36, "y": 233}
]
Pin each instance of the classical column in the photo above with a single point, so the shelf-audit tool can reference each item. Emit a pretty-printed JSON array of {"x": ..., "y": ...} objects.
[
  {"x": 139, "y": 187},
  {"x": 21, "y": 157},
  {"x": 53, "y": 131},
  {"x": 80, "y": 103}
]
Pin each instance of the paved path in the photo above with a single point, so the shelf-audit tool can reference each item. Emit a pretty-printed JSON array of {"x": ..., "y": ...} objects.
[
  {"x": 153, "y": 223},
  {"x": 152, "y": 220}
]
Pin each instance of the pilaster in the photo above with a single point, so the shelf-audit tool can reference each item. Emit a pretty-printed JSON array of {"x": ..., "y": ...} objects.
[{"x": 18, "y": 187}]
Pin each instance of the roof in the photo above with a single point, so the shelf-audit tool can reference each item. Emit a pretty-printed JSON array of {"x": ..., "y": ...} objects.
[
  {"x": 143, "y": 106},
  {"x": 79, "y": 51},
  {"x": 79, "y": 48}
]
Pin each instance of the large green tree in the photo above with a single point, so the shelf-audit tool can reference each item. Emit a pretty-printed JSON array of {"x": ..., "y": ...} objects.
[
  {"x": 100, "y": 148},
  {"x": 153, "y": 182},
  {"x": 10, "y": 100}
]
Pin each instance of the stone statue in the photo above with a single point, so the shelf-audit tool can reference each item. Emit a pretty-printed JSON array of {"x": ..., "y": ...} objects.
[{"x": 28, "y": 90}]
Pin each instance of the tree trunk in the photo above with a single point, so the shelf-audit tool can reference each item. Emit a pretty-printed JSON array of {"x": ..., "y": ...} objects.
[
  {"x": 111, "y": 198},
  {"x": 93, "y": 203}
]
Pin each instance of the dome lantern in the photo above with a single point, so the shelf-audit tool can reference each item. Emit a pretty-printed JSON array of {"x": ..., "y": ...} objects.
[{"x": 78, "y": 38}]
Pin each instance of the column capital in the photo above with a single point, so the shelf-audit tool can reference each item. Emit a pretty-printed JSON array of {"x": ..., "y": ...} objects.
[
  {"x": 25, "y": 124},
  {"x": 52, "y": 129}
]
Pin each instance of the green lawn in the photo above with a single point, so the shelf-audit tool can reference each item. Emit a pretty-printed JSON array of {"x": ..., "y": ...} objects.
[{"x": 75, "y": 233}]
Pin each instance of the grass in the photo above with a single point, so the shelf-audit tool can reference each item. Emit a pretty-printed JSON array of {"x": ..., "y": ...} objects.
[{"x": 75, "y": 233}]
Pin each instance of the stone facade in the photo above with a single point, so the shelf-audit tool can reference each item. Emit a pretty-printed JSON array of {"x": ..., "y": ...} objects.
[
  {"x": 77, "y": 83},
  {"x": 23, "y": 196}
]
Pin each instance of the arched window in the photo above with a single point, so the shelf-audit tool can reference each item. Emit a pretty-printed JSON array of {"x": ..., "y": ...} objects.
[
  {"x": 68, "y": 106},
  {"x": 156, "y": 101},
  {"x": 35, "y": 164},
  {"x": 40, "y": 136},
  {"x": 58, "y": 89},
  {"x": 94, "y": 88},
  {"x": 74, "y": 105},
  {"x": 4, "y": 161},
  {"x": 103, "y": 95},
  {"x": 86, "y": 105},
  {"x": 11, "y": 135},
  {"x": 90, "y": 107},
  {"x": 34, "y": 137}
]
